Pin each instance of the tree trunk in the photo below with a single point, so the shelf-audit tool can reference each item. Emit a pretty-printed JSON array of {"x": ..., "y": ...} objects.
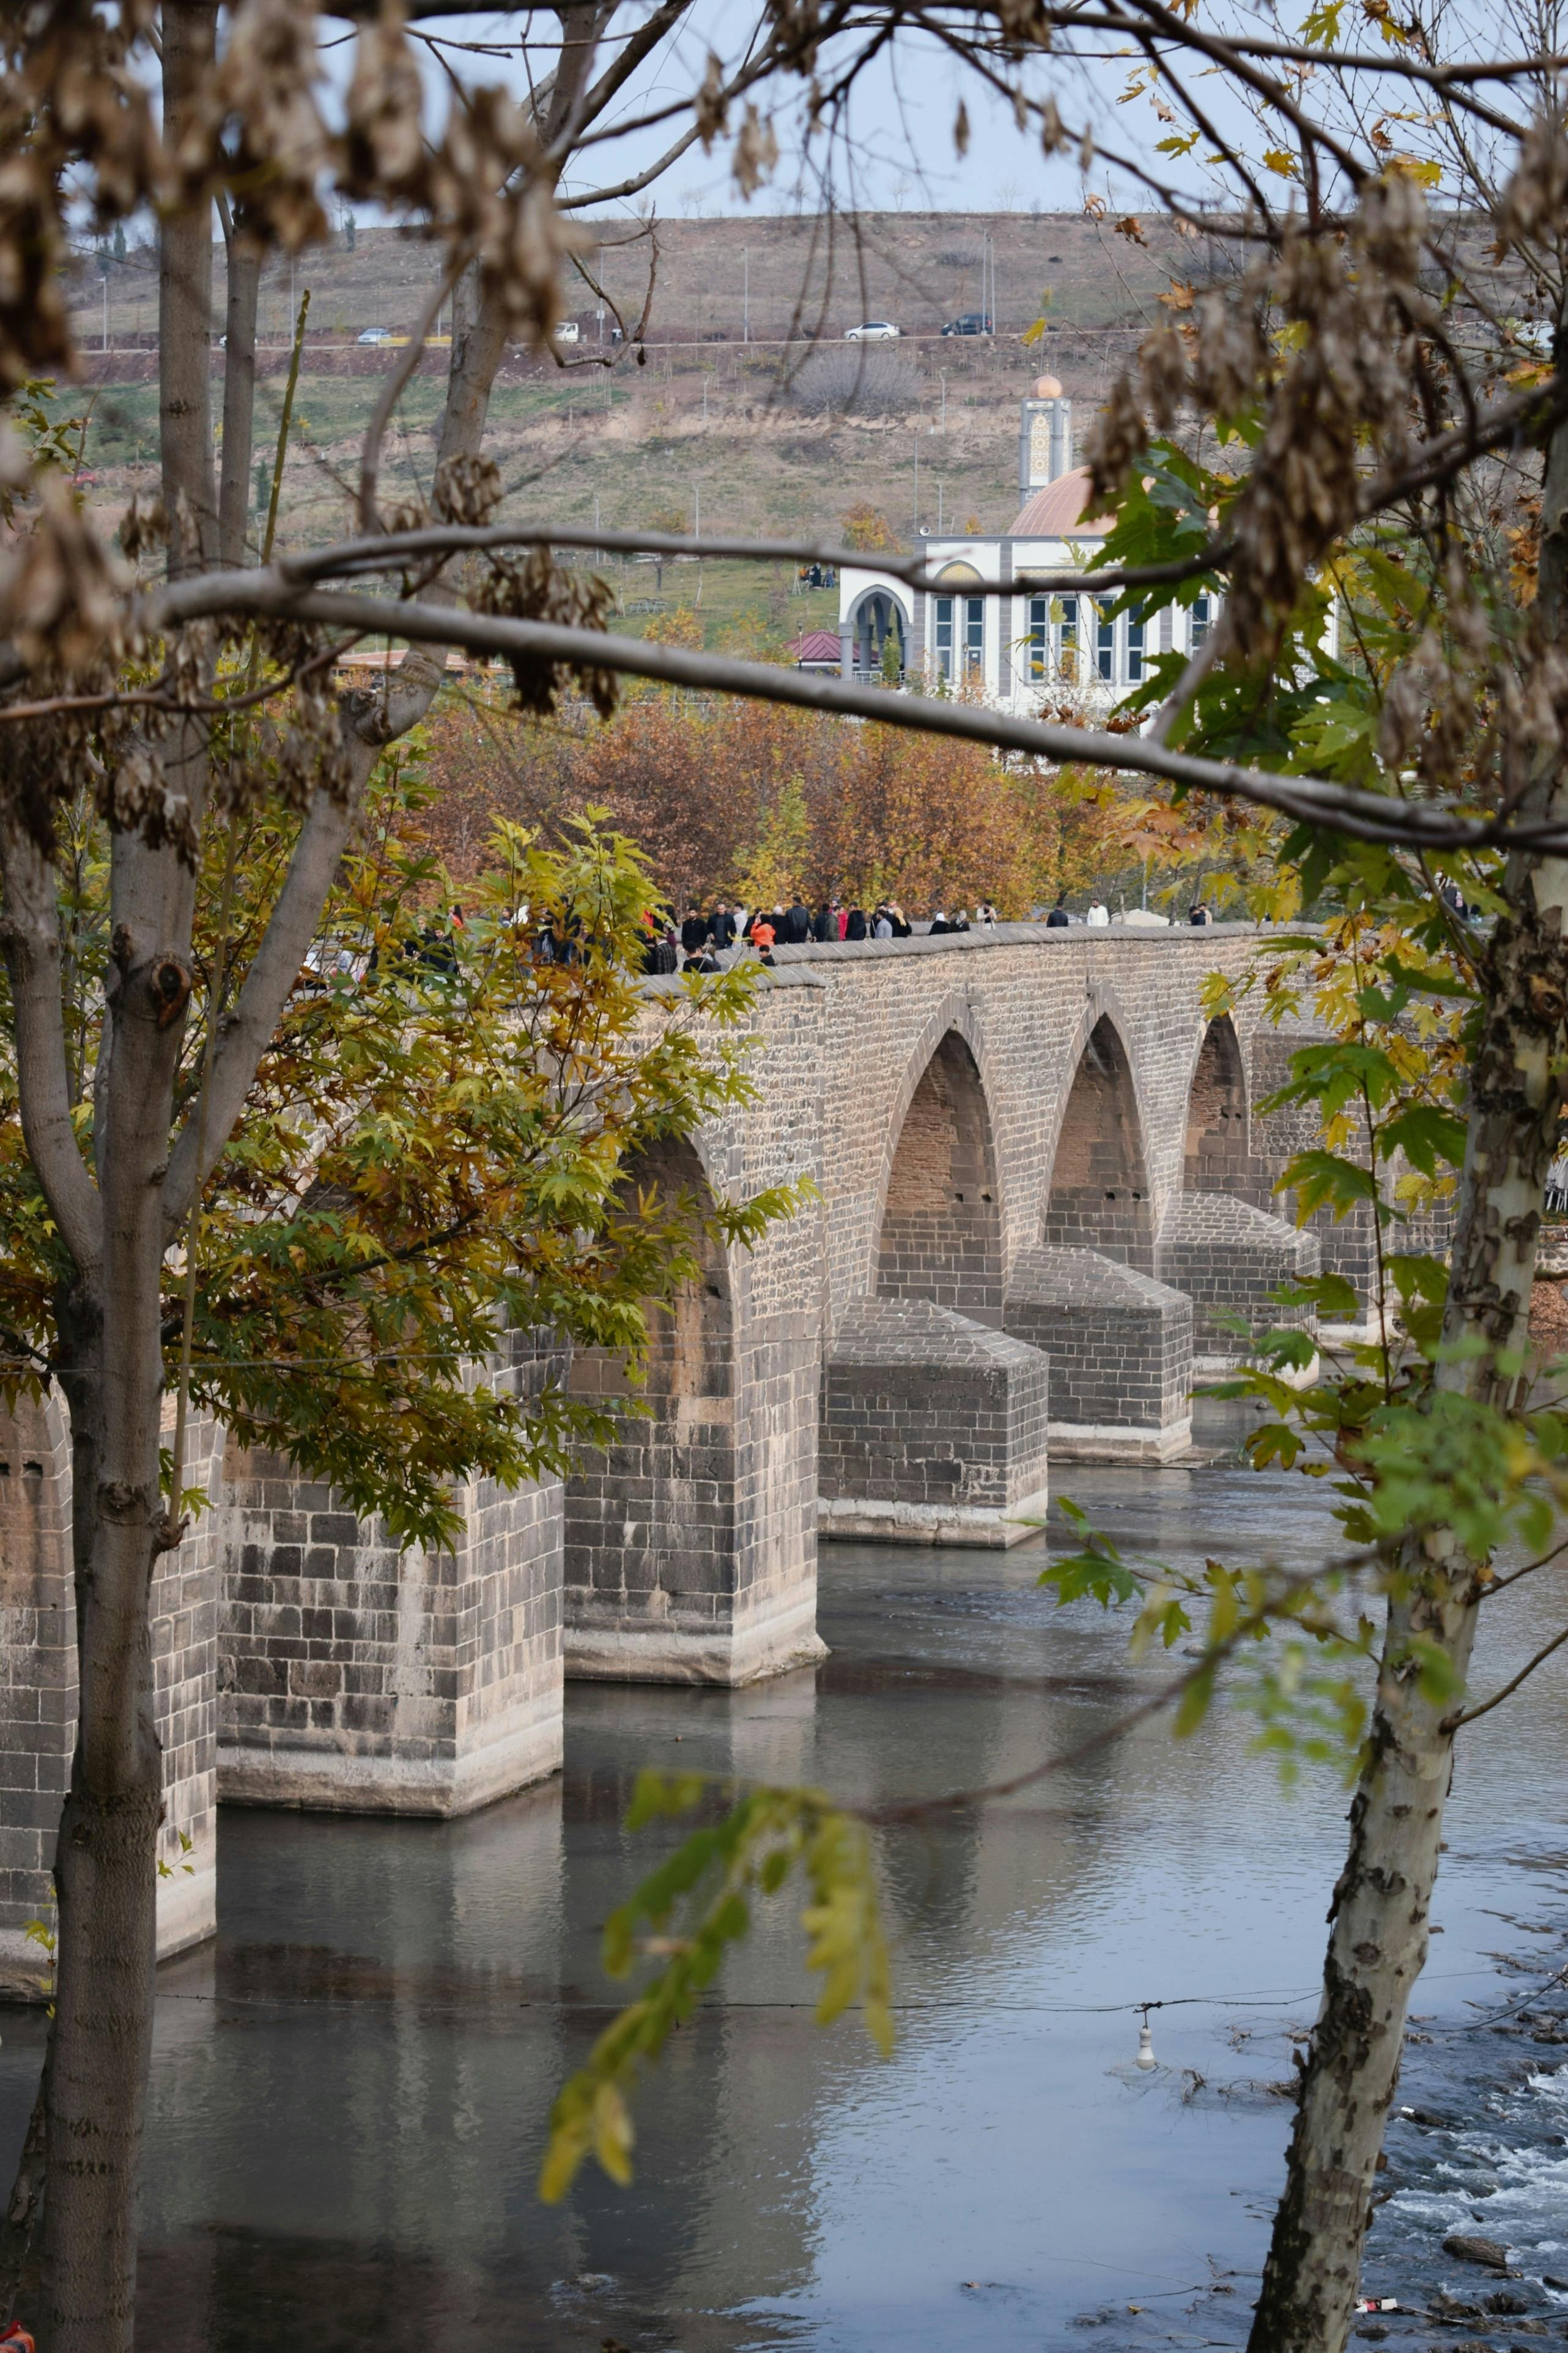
[
  {"x": 106, "y": 1861},
  {"x": 185, "y": 308},
  {"x": 1378, "y": 1933},
  {"x": 112, "y": 1337},
  {"x": 1378, "y": 1938},
  {"x": 238, "y": 392}
]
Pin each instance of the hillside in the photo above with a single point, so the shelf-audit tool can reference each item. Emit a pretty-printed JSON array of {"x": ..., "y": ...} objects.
[{"x": 711, "y": 423}]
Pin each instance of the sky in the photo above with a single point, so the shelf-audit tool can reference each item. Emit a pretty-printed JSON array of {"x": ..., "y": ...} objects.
[{"x": 900, "y": 151}]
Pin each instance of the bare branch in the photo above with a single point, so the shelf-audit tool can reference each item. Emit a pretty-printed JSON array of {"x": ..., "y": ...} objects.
[
  {"x": 1365, "y": 817},
  {"x": 392, "y": 390},
  {"x": 392, "y": 550},
  {"x": 248, "y": 1030},
  {"x": 30, "y": 929},
  {"x": 1469, "y": 1714},
  {"x": 238, "y": 392}
]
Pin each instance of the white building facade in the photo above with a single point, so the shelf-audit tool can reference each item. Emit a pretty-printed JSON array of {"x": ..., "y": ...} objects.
[{"x": 1021, "y": 649}]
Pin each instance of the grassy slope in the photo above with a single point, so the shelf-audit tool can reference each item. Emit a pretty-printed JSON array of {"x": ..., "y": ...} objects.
[{"x": 637, "y": 442}]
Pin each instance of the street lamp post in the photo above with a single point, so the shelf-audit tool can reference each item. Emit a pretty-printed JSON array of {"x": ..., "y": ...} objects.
[{"x": 745, "y": 293}]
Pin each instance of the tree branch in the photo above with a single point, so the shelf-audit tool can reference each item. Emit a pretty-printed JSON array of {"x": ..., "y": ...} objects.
[
  {"x": 1452, "y": 1722},
  {"x": 238, "y": 393},
  {"x": 185, "y": 308},
  {"x": 30, "y": 927},
  {"x": 1365, "y": 817},
  {"x": 392, "y": 390},
  {"x": 388, "y": 552},
  {"x": 248, "y": 1030}
]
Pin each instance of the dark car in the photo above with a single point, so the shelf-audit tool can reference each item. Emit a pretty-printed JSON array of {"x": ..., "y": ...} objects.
[{"x": 974, "y": 322}]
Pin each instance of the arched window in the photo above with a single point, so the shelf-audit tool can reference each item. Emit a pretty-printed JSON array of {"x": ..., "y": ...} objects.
[{"x": 877, "y": 622}]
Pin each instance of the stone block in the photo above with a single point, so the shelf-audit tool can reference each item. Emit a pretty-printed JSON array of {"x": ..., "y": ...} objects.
[
  {"x": 1120, "y": 1345},
  {"x": 385, "y": 1680},
  {"x": 1227, "y": 1256},
  {"x": 932, "y": 1429}
]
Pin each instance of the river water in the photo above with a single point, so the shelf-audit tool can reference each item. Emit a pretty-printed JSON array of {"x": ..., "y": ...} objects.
[{"x": 351, "y": 2086}]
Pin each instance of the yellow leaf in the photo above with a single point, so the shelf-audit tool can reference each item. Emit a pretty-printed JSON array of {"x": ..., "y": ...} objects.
[
  {"x": 1287, "y": 166},
  {"x": 613, "y": 2136}
]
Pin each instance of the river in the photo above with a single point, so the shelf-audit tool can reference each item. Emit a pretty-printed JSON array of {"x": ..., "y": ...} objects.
[{"x": 350, "y": 2086}]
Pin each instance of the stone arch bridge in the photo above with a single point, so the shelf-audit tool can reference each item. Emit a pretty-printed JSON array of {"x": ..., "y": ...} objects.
[{"x": 1040, "y": 1178}]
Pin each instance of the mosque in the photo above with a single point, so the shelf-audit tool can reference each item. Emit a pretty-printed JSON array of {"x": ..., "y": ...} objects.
[{"x": 1014, "y": 649}]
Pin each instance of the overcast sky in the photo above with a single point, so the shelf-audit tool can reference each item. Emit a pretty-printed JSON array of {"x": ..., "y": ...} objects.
[{"x": 898, "y": 153}]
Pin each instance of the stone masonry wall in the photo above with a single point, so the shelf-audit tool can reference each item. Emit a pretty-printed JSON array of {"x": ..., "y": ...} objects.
[
  {"x": 933, "y": 1427},
  {"x": 364, "y": 1678},
  {"x": 1229, "y": 1256},
  {"x": 38, "y": 1687},
  {"x": 692, "y": 1548},
  {"x": 1100, "y": 1186},
  {"x": 1120, "y": 1343},
  {"x": 1025, "y": 1000}
]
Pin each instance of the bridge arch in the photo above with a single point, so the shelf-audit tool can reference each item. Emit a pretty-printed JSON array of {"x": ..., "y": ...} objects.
[
  {"x": 651, "y": 1517},
  {"x": 1215, "y": 1148},
  {"x": 1098, "y": 1194},
  {"x": 939, "y": 1228}
]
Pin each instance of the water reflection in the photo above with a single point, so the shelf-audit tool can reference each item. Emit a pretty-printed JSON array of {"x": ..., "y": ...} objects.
[{"x": 351, "y": 2086}]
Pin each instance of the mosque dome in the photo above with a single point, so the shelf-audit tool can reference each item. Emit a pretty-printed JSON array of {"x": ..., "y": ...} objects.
[{"x": 1058, "y": 509}]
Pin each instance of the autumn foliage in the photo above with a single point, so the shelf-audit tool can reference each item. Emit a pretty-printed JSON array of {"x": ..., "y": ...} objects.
[{"x": 760, "y": 801}]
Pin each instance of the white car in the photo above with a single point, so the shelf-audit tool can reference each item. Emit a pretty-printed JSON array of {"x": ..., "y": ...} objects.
[
  {"x": 567, "y": 333},
  {"x": 374, "y": 335},
  {"x": 873, "y": 331}
]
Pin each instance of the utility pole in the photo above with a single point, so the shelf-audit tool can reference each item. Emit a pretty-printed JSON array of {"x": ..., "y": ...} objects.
[
  {"x": 600, "y": 276},
  {"x": 745, "y": 293},
  {"x": 105, "y": 283},
  {"x": 917, "y": 481},
  {"x": 944, "y": 374},
  {"x": 939, "y": 491}
]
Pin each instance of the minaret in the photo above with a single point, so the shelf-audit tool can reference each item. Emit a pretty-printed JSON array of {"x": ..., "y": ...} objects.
[{"x": 1045, "y": 437}]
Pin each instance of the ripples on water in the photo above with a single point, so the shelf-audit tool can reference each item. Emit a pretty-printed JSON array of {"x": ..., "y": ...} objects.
[{"x": 351, "y": 2086}]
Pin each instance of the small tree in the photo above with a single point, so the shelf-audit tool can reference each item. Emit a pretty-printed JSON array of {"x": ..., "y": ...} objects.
[
  {"x": 866, "y": 528},
  {"x": 668, "y": 520}
]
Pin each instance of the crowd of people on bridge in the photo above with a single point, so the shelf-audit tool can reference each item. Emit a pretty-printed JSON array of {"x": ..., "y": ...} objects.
[{"x": 699, "y": 939}]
